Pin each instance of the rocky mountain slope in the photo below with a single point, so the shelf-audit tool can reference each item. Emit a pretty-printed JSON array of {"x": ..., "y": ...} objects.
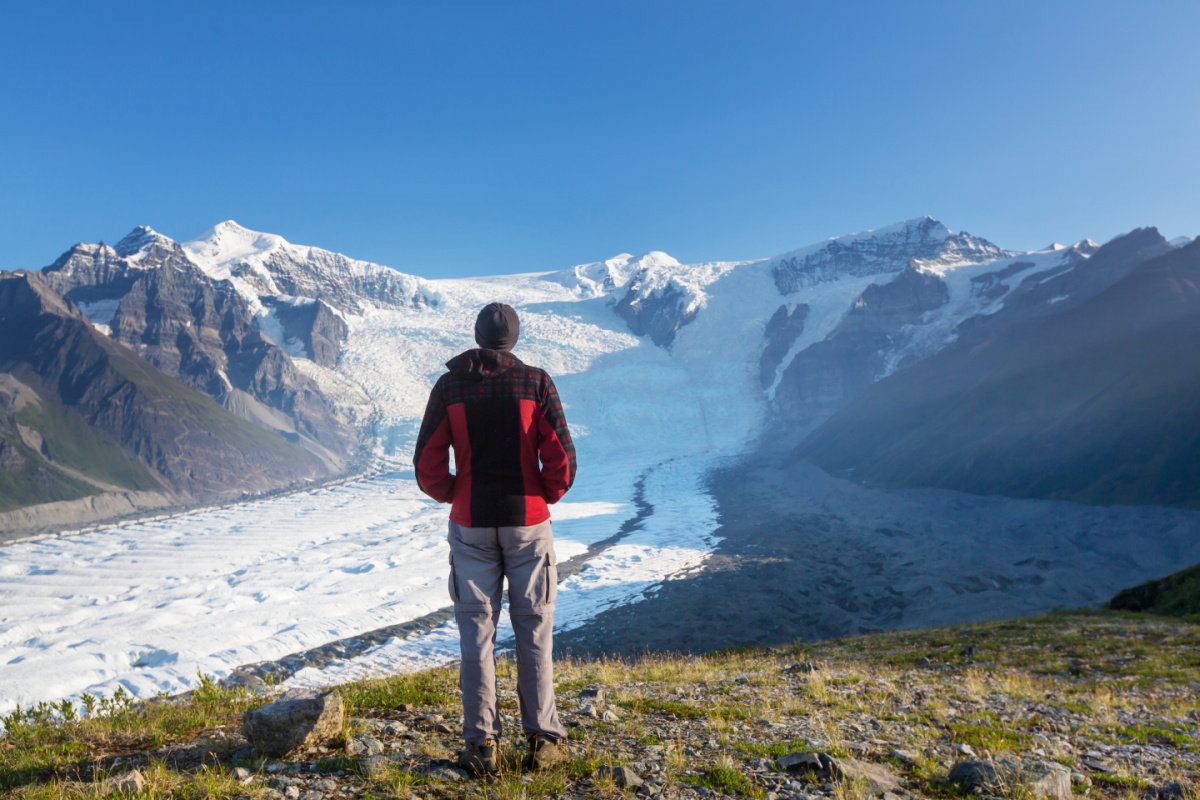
[
  {"x": 84, "y": 415},
  {"x": 1097, "y": 402}
]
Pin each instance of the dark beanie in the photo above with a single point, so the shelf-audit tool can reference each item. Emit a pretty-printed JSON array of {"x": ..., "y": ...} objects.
[{"x": 497, "y": 327}]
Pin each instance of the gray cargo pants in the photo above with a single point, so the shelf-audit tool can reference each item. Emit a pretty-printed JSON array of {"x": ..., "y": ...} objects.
[{"x": 480, "y": 558}]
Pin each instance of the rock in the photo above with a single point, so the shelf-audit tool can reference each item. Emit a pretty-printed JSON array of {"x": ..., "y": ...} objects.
[
  {"x": 1077, "y": 666},
  {"x": 395, "y": 728},
  {"x": 373, "y": 725},
  {"x": 299, "y": 719},
  {"x": 803, "y": 667},
  {"x": 406, "y": 707},
  {"x": 447, "y": 773},
  {"x": 1043, "y": 779},
  {"x": 373, "y": 766},
  {"x": 878, "y": 779},
  {"x": 802, "y": 761},
  {"x": 965, "y": 750},
  {"x": 326, "y": 785},
  {"x": 432, "y": 719},
  {"x": 742, "y": 679},
  {"x": 442, "y": 727},
  {"x": 312, "y": 796},
  {"x": 907, "y": 757},
  {"x": 130, "y": 782},
  {"x": 276, "y": 766},
  {"x": 610, "y": 715},
  {"x": 593, "y": 693},
  {"x": 761, "y": 764},
  {"x": 590, "y": 710},
  {"x": 622, "y": 777},
  {"x": 283, "y": 783},
  {"x": 364, "y": 744},
  {"x": 240, "y": 773},
  {"x": 923, "y": 661},
  {"x": 292, "y": 793}
]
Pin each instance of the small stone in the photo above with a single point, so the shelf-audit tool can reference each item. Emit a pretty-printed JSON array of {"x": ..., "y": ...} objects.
[
  {"x": 276, "y": 766},
  {"x": 432, "y": 719},
  {"x": 364, "y": 744},
  {"x": 906, "y": 757},
  {"x": 1077, "y": 666},
  {"x": 622, "y": 777},
  {"x": 374, "y": 725},
  {"x": 442, "y": 727},
  {"x": 312, "y": 796},
  {"x": 924, "y": 661},
  {"x": 609, "y": 715},
  {"x": 405, "y": 707},
  {"x": 239, "y": 773},
  {"x": 373, "y": 766},
  {"x": 395, "y": 728},
  {"x": 803, "y": 667},
  {"x": 326, "y": 785},
  {"x": 446, "y": 773},
  {"x": 742, "y": 679},
  {"x": 761, "y": 764},
  {"x": 965, "y": 750},
  {"x": 594, "y": 693},
  {"x": 130, "y": 782},
  {"x": 590, "y": 710},
  {"x": 292, "y": 793},
  {"x": 878, "y": 779}
]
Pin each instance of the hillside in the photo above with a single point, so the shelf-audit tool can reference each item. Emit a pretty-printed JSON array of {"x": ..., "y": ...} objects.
[
  {"x": 1176, "y": 595},
  {"x": 1098, "y": 403},
  {"x": 1093, "y": 704},
  {"x": 83, "y": 415}
]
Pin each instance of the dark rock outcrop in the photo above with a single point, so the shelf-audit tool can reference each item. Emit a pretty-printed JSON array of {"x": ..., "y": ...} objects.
[
  {"x": 659, "y": 313},
  {"x": 826, "y": 375},
  {"x": 315, "y": 324},
  {"x": 783, "y": 329}
]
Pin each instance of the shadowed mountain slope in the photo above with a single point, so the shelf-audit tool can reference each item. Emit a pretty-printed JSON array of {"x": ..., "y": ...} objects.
[
  {"x": 1099, "y": 403},
  {"x": 81, "y": 414}
]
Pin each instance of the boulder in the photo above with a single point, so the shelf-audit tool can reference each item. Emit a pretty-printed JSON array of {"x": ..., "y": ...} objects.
[
  {"x": 1042, "y": 778},
  {"x": 299, "y": 719}
]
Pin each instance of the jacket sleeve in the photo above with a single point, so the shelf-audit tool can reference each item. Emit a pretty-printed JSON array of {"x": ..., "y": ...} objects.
[
  {"x": 431, "y": 459},
  {"x": 555, "y": 448}
]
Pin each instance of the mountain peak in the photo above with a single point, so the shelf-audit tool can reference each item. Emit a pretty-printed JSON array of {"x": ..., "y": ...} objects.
[{"x": 140, "y": 239}]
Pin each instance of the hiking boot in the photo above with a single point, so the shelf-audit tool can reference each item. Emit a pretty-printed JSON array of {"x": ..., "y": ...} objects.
[
  {"x": 479, "y": 759},
  {"x": 545, "y": 751}
]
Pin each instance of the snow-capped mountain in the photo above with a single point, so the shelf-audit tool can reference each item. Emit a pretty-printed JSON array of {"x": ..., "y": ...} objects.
[
  {"x": 878, "y": 252},
  {"x": 264, "y": 264}
]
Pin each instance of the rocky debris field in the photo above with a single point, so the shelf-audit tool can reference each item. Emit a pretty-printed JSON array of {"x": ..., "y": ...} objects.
[{"x": 1071, "y": 704}]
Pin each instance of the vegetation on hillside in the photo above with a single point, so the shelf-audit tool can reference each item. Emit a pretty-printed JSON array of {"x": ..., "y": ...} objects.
[{"x": 1111, "y": 697}]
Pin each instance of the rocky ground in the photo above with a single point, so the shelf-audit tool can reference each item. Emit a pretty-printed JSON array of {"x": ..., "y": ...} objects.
[{"x": 1094, "y": 704}]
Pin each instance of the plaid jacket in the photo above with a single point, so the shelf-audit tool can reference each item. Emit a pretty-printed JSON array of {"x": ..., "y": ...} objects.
[{"x": 501, "y": 417}]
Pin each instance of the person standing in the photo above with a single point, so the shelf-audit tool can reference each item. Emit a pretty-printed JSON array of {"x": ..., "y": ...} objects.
[{"x": 513, "y": 457}]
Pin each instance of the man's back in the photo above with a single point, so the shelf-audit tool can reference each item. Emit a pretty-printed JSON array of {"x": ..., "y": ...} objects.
[{"x": 502, "y": 417}]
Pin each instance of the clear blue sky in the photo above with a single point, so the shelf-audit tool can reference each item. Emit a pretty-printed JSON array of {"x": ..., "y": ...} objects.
[{"x": 450, "y": 139}]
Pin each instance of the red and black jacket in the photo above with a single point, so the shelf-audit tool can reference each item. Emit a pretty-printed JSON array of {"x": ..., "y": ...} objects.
[{"x": 501, "y": 417}]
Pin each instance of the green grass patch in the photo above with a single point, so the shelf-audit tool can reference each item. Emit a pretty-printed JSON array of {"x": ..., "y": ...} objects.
[
  {"x": 422, "y": 689},
  {"x": 1118, "y": 782},
  {"x": 725, "y": 781},
  {"x": 987, "y": 738},
  {"x": 337, "y": 764},
  {"x": 666, "y": 707}
]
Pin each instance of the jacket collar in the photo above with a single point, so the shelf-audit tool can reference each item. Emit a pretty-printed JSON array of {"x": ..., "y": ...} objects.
[{"x": 480, "y": 363}]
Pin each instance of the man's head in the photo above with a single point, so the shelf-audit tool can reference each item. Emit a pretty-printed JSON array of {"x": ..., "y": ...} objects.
[{"x": 497, "y": 327}]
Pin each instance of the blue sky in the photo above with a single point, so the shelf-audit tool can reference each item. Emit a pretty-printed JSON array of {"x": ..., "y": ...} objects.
[{"x": 449, "y": 139}]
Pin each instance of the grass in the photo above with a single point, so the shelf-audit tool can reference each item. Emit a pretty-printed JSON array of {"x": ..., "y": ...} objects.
[{"x": 710, "y": 716}]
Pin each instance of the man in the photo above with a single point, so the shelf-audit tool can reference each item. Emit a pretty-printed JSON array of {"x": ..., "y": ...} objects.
[{"x": 501, "y": 417}]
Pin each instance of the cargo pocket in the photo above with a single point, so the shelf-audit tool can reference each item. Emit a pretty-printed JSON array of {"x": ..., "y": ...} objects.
[
  {"x": 453, "y": 580},
  {"x": 551, "y": 578}
]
